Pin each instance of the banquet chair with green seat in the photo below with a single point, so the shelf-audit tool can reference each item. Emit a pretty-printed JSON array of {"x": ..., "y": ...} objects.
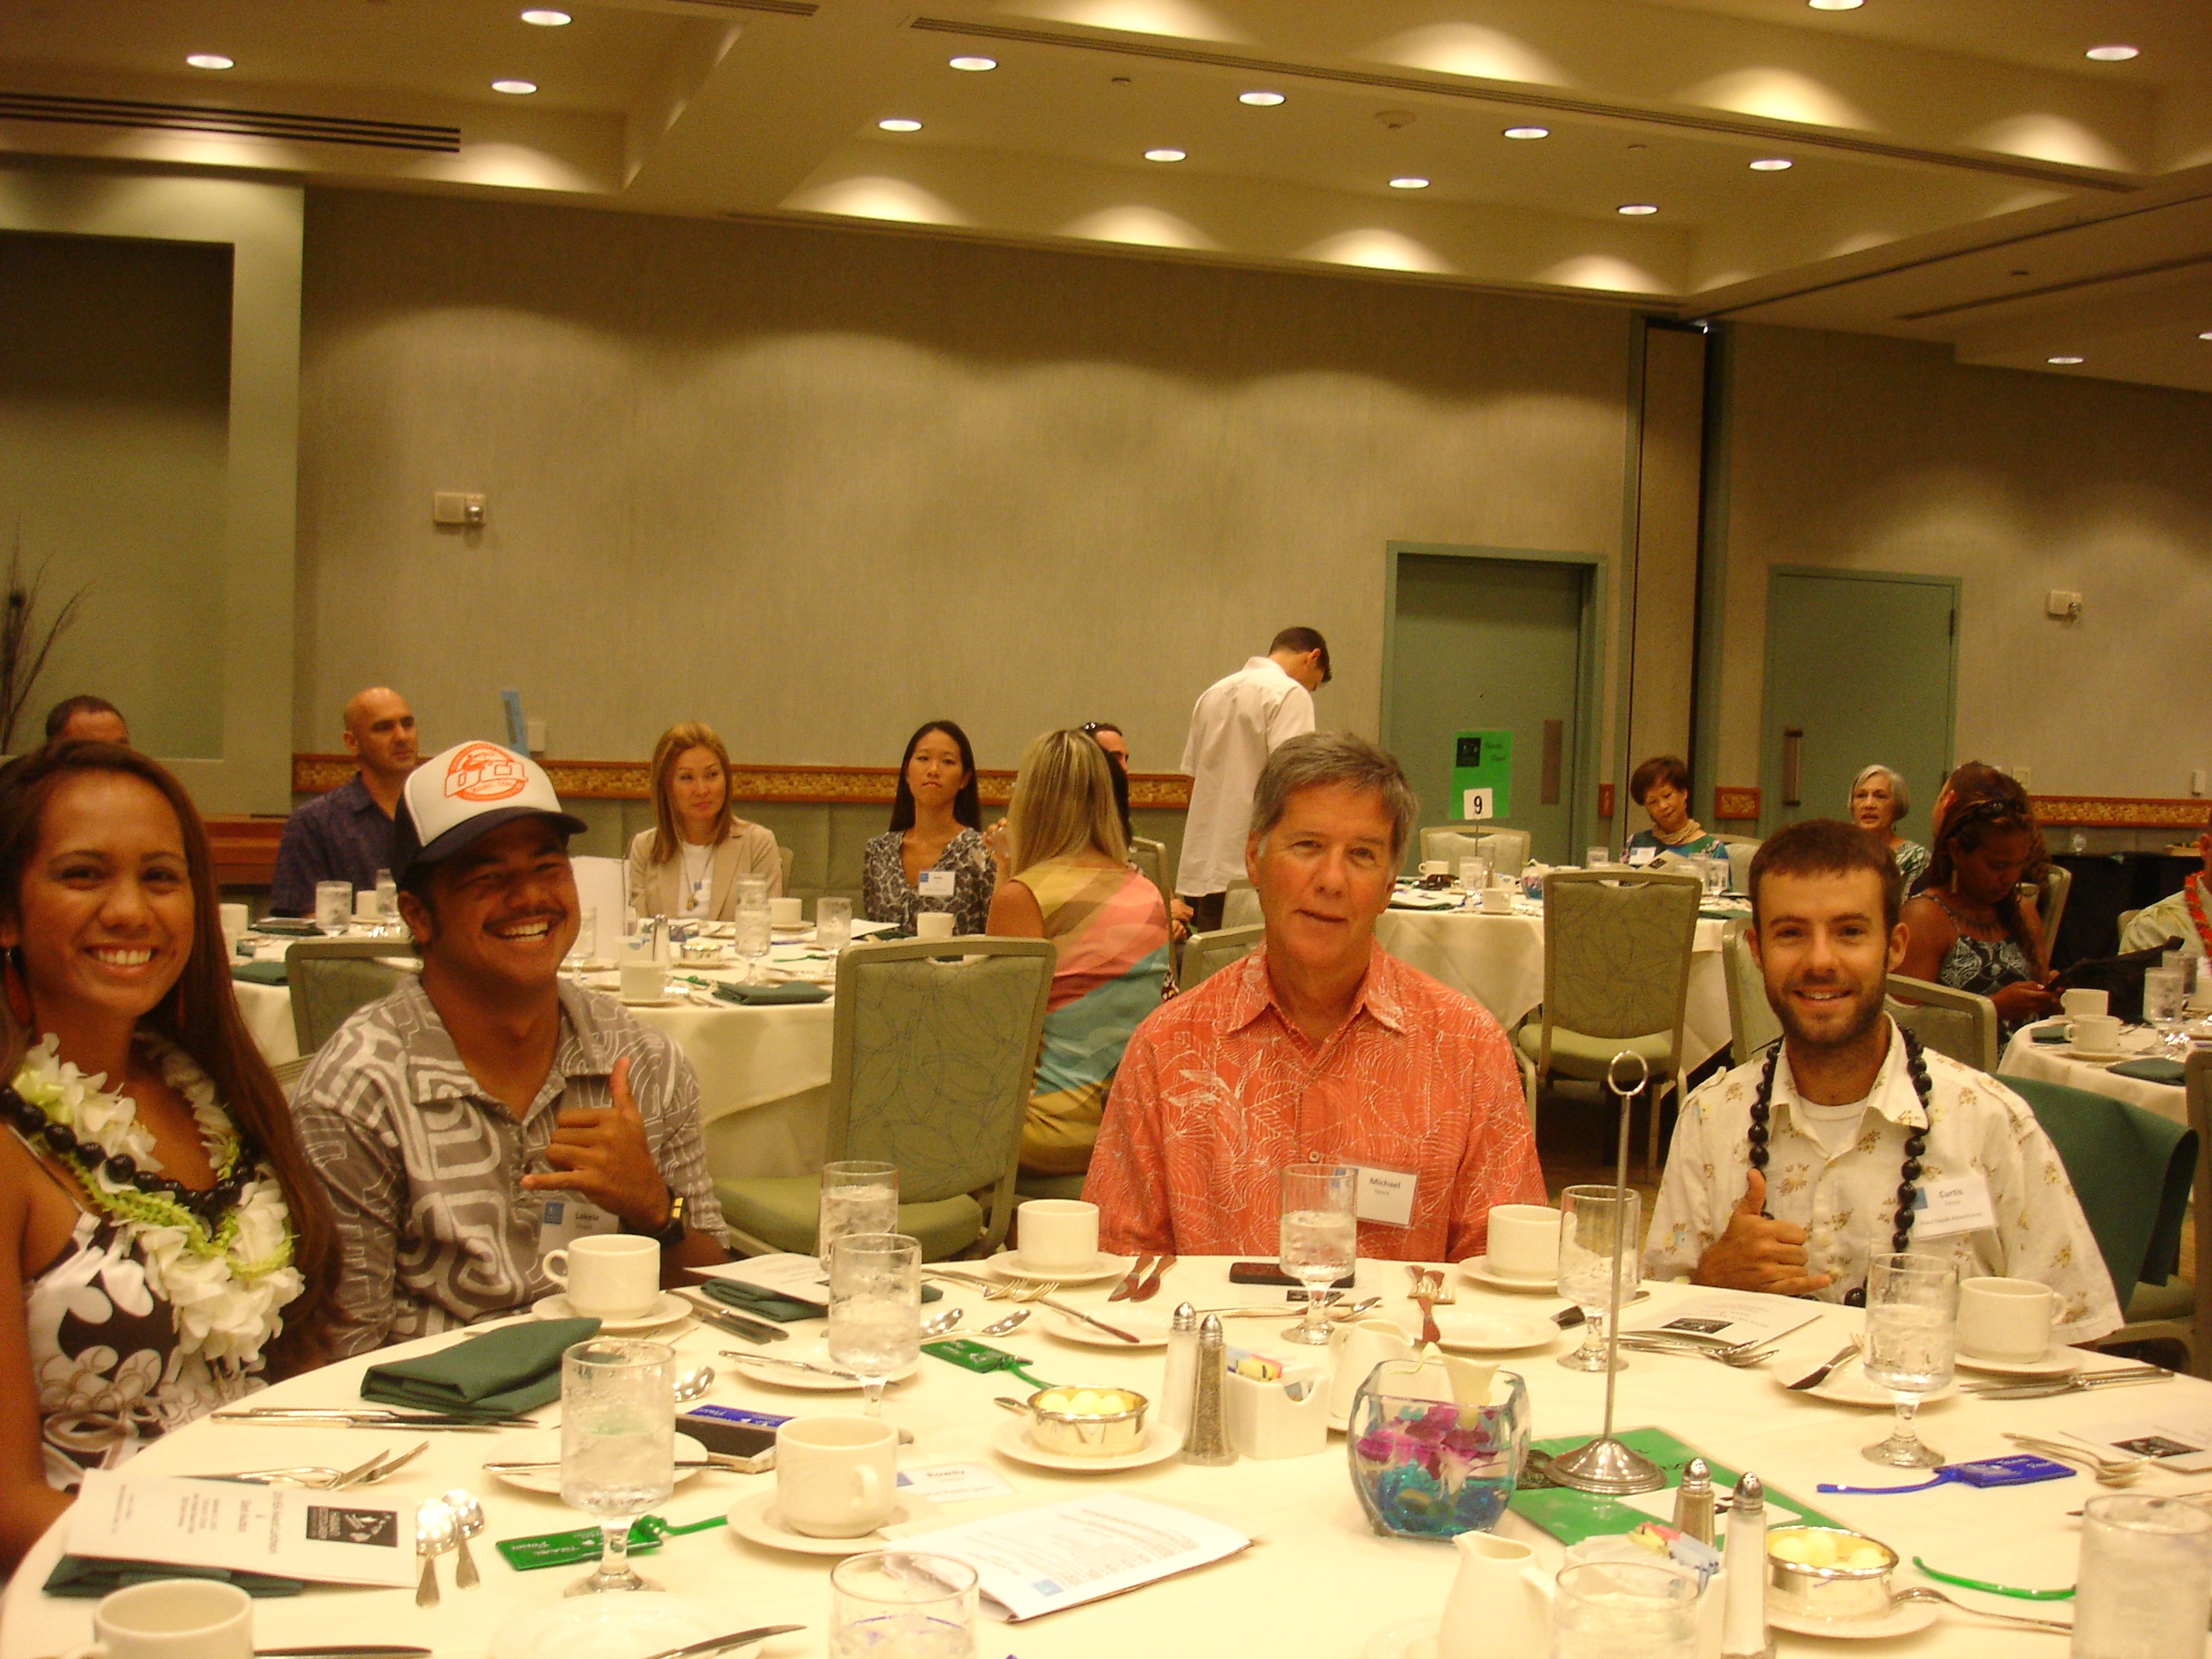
[
  {"x": 1240, "y": 905},
  {"x": 1741, "y": 849},
  {"x": 1205, "y": 955},
  {"x": 1150, "y": 859},
  {"x": 1960, "y": 1023},
  {"x": 2133, "y": 1171},
  {"x": 1617, "y": 946},
  {"x": 1751, "y": 1024},
  {"x": 329, "y": 978},
  {"x": 2050, "y": 889},
  {"x": 1504, "y": 847},
  {"x": 933, "y": 1051}
]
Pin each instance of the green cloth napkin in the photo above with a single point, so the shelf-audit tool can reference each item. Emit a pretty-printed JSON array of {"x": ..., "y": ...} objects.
[
  {"x": 262, "y": 972},
  {"x": 2054, "y": 1032},
  {"x": 762, "y": 996},
  {"x": 495, "y": 1375},
  {"x": 88, "y": 1577},
  {"x": 767, "y": 1305},
  {"x": 2151, "y": 1068}
]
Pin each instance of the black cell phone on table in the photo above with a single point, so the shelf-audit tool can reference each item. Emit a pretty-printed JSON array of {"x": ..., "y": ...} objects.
[{"x": 1267, "y": 1273}]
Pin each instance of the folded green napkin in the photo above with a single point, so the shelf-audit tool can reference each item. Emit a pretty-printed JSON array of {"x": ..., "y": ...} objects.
[
  {"x": 767, "y": 1305},
  {"x": 2151, "y": 1068},
  {"x": 495, "y": 1375},
  {"x": 88, "y": 1577},
  {"x": 261, "y": 973},
  {"x": 761, "y": 996}
]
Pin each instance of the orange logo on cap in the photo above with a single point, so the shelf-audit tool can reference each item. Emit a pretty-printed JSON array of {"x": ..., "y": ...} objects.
[{"x": 483, "y": 772}]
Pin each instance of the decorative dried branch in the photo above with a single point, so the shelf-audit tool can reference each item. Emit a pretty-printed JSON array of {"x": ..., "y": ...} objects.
[{"x": 25, "y": 644}]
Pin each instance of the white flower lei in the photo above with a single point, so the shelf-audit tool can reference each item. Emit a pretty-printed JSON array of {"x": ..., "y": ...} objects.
[{"x": 225, "y": 1288}]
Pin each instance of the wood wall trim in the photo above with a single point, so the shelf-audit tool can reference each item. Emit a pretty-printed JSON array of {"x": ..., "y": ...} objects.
[
  {"x": 832, "y": 786},
  {"x": 2123, "y": 811}
]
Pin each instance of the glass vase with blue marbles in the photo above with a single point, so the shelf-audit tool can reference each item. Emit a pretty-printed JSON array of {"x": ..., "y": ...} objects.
[{"x": 1430, "y": 1468}]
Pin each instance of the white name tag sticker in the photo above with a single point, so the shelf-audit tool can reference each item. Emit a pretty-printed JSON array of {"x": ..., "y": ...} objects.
[
  {"x": 1640, "y": 856},
  {"x": 569, "y": 1218},
  {"x": 1943, "y": 1208},
  {"x": 1386, "y": 1196},
  {"x": 937, "y": 884}
]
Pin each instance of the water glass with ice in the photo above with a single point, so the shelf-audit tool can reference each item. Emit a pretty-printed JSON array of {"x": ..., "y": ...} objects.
[
  {"x": 1593, "y": 1222},
  {"x": 617, "y": 1445},
  {"x": 898, "y": 1604},
  {"x": 333, "y": 905},
  {"x": 2145, "y": 1579},
  {"x": 875, "y": 1308},
  {"x": 1318, "y": 1242},
  {"x": 753, "y": 926},
  {"x": 832, "y": 923},
  {"x": 2165, "y": 992},
  {"x": 858, "y": 1195},
  {"x": 1911, "y": 1342}
]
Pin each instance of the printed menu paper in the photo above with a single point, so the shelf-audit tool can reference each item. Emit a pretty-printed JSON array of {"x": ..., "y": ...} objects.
[
  {"x": 1035, "y": 1561},
  {"x": 794, "y": 1278},
  {"x": 1725, "y": 1317},
  {"x": 331, "y": 1538},
  {"x": 2178, "y": 1440}
]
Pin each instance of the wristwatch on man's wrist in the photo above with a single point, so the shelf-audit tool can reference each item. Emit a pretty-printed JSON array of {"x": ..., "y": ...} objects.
[{"x": 672, "y": 1231}]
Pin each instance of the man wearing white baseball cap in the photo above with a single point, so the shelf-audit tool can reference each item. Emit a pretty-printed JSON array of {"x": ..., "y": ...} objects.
[{"x": 487, "y": 1112}]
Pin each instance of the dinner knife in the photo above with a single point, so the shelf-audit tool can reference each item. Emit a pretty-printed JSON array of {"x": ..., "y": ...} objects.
[
  {"x": 730, "y": 1320},
  {"x": 1570, "y": 1316},
  {"x": 1150, "y": 1287},
  {"x": 716, "y": 1644},
  {"x": 1127, "y": 1287},
  {"x": 2070, "y": 1385},
  {"x": 370, "y": 1419},
  {"x": 372, "y": 1651}
]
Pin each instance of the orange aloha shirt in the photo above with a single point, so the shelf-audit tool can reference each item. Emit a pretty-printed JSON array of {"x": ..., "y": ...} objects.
[{"x": 1219, "y": 1090}]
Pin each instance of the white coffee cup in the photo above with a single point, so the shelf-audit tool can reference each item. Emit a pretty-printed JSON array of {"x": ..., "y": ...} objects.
[
  {"x": 2001, "y": 1319},
  {"x": 1524, "y": 1242},
  {"x": 608, "y": 1275},
  {"x": 932, "y": 924},
  {"x": 1497, "y": 901},
  {"x": 785, "y": 913},
  {"x": 644, "y": 981},
  {"x": 2078, "y": 1003},
  {"x": 367, "y": 905},
  {"x": 836, "y": 1477},
  {"x": 1057, "y": 1233},
  {"x": 171, "y": 1619},
  {"x": 2095, "y": 1033},
  {"x": 1356, "y": 1347},
  {"x": 236, "y": 918},
  {"x": 1434, "y": 868}
]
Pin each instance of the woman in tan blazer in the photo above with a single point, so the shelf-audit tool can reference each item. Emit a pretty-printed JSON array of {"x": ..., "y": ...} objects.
[{"x": 688, "y": 865}]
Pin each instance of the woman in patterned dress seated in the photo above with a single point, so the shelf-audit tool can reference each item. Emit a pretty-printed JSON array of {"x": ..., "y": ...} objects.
[
  {"x": 166, "y": 1240},
  {"x": 1968, "y": 928}
]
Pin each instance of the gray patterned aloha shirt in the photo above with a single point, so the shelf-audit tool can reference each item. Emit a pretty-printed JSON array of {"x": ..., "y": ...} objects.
[
  {"x": 425, "y": 1170},
  {"x": 1847, "y": 1203}
]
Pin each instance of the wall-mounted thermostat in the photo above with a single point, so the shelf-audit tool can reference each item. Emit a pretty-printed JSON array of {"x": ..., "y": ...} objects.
[
  {"x": 2060, "y": 603},
  {"x": 456, "y": 506}
]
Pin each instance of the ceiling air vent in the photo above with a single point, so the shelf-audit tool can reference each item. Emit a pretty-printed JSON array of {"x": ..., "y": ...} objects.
[{"x": 70, "y": 110}]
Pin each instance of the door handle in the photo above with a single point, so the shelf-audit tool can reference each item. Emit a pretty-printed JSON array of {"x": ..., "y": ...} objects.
[
  {"x": 1793, "y": 765},
  {"x": 1554, "y": 743}
]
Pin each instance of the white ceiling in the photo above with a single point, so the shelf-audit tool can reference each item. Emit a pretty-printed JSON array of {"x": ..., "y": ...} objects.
[{"x": 1961, "y": 173}]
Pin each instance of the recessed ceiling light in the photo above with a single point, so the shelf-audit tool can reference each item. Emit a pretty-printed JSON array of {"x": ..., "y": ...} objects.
[
  {"x": 210, "y": 60},
  {"x": 545, "y": 17},
  {"x": 2206, "y": 335},
  {"x": 516, "y": 88},
  {"x": 1835, "y": 6},
  {"x": 1410, "y": 181},
  {"x": 1637, "y": 209},
  {"x": 1260, "y": 100},
  {"x": 1164, "y": 155},
  {"x": 2112, "y": 54},
  {"x": 1527, "y": 132},
  {"x": 2061, "y": 361},
  {"x": 977, "y": 64},
  {"x": 1773, "y": 164},
  {"x": 900, "y": 123}
]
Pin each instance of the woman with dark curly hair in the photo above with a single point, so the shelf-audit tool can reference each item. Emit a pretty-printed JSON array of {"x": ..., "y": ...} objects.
[{"x": 1968, "y": 928}]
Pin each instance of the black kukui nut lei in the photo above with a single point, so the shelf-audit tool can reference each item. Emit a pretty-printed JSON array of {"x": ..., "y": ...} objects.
[
  {"x": 209, "y": 1206},
  {"x": 1916, "y": 1144}
]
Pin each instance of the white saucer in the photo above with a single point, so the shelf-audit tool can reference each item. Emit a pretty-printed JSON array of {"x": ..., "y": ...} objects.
[
  {"x": 1011, "y": 1439},
  {"x": 608, "y": 1627},
  {"x": 1475, "y": 1330},
  {"x": 1477, "y": 1268},
  {"x": 757, "y": 1520},
  {"x": 1009, "y": 1265},
  {"x": 651, "y": 1002},
  {"x": 1903, "y": 1619},
  {"x": 2059, "y": 1362},
  {"x": 1416, "y": 1639},
  {"x": 2094, "y": 1056},
  {"x": 667, "y": 1310},
  {"x": 814, "y": 1381},
  {"x": 544, "y": 1446},
  {"x": 1149, "y": 1328}
]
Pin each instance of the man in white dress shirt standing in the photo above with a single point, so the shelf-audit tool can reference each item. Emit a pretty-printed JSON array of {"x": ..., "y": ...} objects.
[{"x": 1237, "y": 724}]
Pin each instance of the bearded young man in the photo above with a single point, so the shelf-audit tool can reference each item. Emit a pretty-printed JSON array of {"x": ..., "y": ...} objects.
[{"x": 1785, "y": 1173}]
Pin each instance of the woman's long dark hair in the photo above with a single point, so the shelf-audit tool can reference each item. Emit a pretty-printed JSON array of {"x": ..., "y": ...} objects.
[
  {"x": 967, "y": 806},
  {"x": 1120, "y": 774},
  {"x": 199, "y": 1014},
  {"x": 1989, "y": 803}
]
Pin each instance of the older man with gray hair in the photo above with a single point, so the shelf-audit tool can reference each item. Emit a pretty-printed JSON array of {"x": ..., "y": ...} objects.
[{"x": 1317, "y": 1049}]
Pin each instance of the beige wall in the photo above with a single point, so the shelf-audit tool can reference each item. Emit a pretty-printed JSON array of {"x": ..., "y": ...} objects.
[
  {"x": 1866, "y": 453},
  {"x": 814, "y": 485}
]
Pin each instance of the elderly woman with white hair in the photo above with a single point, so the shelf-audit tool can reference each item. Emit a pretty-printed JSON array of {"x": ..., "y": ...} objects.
[{"x": 1878, "y": 801}]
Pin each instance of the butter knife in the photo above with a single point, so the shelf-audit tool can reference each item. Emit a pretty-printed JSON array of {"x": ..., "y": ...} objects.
[
  {"x": 1819, "y": 1375},
  {"x": 1150, "y": 1287},
  {"x": 758, "y": 1633},
  {"x": 1127, "y": 1288},
  {"x": 2070, "y": 1385}
]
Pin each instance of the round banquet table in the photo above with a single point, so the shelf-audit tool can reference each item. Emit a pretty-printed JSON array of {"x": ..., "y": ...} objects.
[
  {"x": 2055, "y": 1063},
  {"x": 1319, "y": 1585}
]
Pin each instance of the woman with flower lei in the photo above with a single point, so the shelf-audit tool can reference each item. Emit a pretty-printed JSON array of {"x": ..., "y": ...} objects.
[{"x": 159, "y": 1226}]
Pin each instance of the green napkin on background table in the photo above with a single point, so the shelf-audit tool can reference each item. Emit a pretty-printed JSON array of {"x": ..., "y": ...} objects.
[
  {"x": 767, "y": 1305},
  {"x": 2151, "y": 1068},
  {"x": 762, "y": 996},
  {"x": 495, "y": 1375},
  {"x": 86, "y": 1577},
  {"x": 262, "y": 972}
]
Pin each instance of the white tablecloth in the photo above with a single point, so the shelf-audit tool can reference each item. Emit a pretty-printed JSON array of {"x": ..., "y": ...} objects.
[
  {"x": 1319, "y": 1585},
  {"x": 2055, "y": 1063}
]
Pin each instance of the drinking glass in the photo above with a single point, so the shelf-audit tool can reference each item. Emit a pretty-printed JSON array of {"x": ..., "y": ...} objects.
[
  {"x": 1474, "y": 875},
  {"x": 1911, "y": 1337},
  {"x": 387, "y": 900},
  {"x": 875, "y": 1308},
  {"x": 897, "y": 1604},
  {"x": 1607, "y": 1608},
  {"x": 333, "y": 905},
  {"x": 1591, "y": 1220},
  {"x": 1319, "y": 1240},
  {"x": 858, "y": 1197},
  {"x": 617, "y": 1445},
  {"x": 1717, "y": 876},
  {"x": 2164, "y": 993},
  {"x": 2145, "y": 1579},
  {"x": 587, "y": 939},
  {"x": 753, "y": 933},
  {"x": 833, "y": 924},
  {"x": 1597, "y": 858}
]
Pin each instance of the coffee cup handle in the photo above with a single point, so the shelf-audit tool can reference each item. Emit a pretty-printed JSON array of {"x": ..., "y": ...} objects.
[
  {"x": 2070, "y": 1030},
  {"x": 871, "y": 1486},
  {"x": 557, "y": 1269}
]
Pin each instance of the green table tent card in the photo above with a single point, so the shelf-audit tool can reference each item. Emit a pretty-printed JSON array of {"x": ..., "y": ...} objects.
[
  {"x": 1572, "y": 1517},
  {"x": 1482, "y": 774}
]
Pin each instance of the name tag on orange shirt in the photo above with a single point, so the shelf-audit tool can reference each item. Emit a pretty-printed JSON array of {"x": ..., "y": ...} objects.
[{"x": 1385, "y": 1196}]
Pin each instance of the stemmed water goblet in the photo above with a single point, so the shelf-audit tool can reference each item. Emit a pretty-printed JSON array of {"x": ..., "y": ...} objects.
[
  {"x": 1318, "y": 1242},
  {"x": 1593, "y": 1220},
  {"x": 1911, "y": 1341},
  {"x": 617, "y": 1445},
  {"x": 875, "y": 1308}
]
